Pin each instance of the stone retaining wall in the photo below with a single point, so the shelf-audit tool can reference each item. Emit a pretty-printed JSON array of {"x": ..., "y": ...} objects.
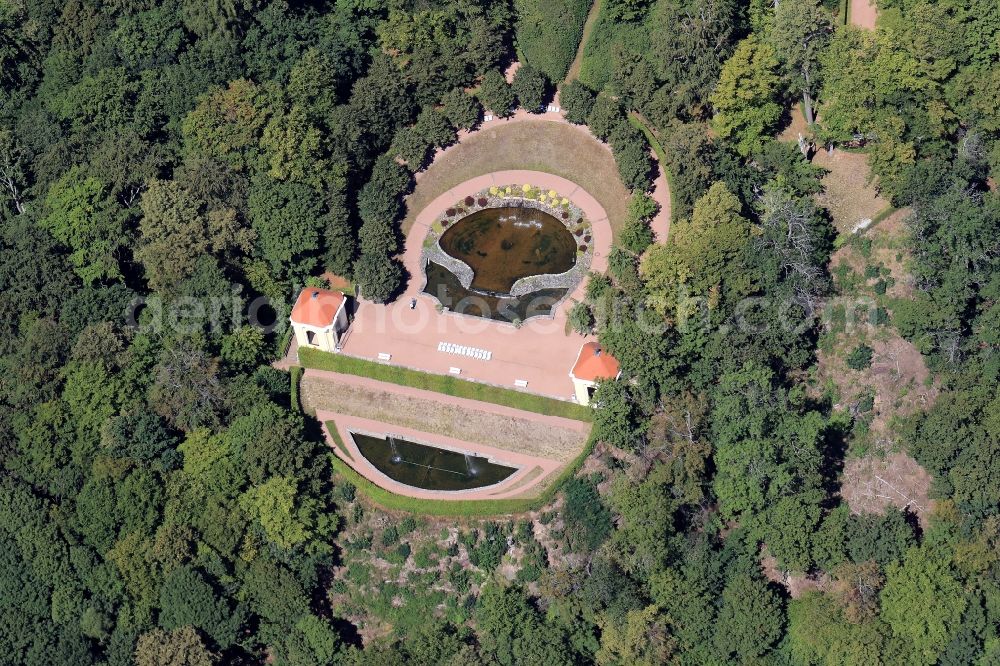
[{"x": 500, "y": 199}]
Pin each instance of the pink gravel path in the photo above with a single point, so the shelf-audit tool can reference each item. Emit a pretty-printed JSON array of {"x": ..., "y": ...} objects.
[
  {"x": 863, "y": 13},
  {"x": 510, "y": 487},
  {"x": 541, "y": 352},
  {"x": 661, "y": 195}
]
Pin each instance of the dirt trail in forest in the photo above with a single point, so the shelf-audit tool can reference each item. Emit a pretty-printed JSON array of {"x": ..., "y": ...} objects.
[
  {"x": 863, "y": 14},
  {"x": 588, "y": 29}
]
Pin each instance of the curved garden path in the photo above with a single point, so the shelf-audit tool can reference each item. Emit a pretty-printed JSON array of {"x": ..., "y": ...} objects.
[{"x": 611, "y": 193}]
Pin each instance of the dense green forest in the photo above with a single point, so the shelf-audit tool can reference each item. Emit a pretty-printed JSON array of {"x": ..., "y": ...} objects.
[{"x": 176, "y": 163}]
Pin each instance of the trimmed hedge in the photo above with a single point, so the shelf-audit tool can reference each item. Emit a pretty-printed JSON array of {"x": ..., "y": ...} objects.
[
  {"x": 446, "y": 384},
  {"x": 296, "y": 376},
  {"x": 655, "y": 144},
  {"x": 609, "y": 35},
  {"x": 460, "y": 508},
  {"x": 548, "y": 33}
]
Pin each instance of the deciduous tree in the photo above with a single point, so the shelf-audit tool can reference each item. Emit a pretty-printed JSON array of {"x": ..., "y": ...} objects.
[
  {"x": 495, "y": 94},
  {"x": 745, "y": 103},
  {"x": 180, "y": 647},
  {"x": 174, "y": 233},
  {"x": 529, "y": 87},
  {"x": 80, "y": 215}
]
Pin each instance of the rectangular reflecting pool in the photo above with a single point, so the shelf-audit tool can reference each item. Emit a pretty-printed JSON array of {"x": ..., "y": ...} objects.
[{"x": 429, "y": 467}]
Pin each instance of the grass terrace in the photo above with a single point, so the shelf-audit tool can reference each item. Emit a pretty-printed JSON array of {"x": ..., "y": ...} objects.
[{"x": 446, "y": 384}]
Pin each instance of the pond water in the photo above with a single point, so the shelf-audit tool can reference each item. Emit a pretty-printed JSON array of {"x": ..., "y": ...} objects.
[
  {"x": 443, "y": 285},
  {"x": 503, "y": 245},
  {"x": 429, "y": 467}
]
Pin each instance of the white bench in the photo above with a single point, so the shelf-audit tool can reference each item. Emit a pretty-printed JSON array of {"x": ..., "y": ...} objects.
[
  {"x": 382, "y": 356},
  {"x": 455, "y": 371},
  {"x": 521, "y": 383}
]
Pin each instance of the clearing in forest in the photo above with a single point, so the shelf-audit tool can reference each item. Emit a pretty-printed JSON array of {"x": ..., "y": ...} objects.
[
  {"x": 863, "y": 13},
  {"x": 870, "y": 271},
  {"x": 850, "y": 192}
]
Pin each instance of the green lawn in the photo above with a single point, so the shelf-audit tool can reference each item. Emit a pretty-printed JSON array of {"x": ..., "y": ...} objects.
[
  {"x": 459, "y": 508},
  {"x": 460, "y": 388}
]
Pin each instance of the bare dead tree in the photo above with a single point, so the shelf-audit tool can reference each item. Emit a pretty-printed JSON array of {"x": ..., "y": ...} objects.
[{"x": 12, "y": 174}]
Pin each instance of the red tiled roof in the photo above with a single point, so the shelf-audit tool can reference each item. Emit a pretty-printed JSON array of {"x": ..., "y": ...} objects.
[
  {"x": 593, "y": 364},
  {"x": 317, "y": 307}
]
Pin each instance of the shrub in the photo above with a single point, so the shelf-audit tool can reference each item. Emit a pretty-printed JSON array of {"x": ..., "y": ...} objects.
[
  {"x": 860, "y": 357},
  {"x": 580, "y": 318},
  {"x": 468, "y": 539},
  {"x": 460, "y": 109},
  {"x": 577, "y": 100},
  {"x": 530, "y": 87},
  {"x": 422, "y": 558},
  {"x": 495, "y": 94},
  {"x": 529, "y": 573},
  {"x": 490, "y": 549},
  {"x": 408, "y": 525},
  {"x": 390, "y": 535},
  {"x": 524, "y": 532},
  {"x": 878, "y": 317},
  {"x": 587, "y": 520},
  {"x": 604, "y": 116}
]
